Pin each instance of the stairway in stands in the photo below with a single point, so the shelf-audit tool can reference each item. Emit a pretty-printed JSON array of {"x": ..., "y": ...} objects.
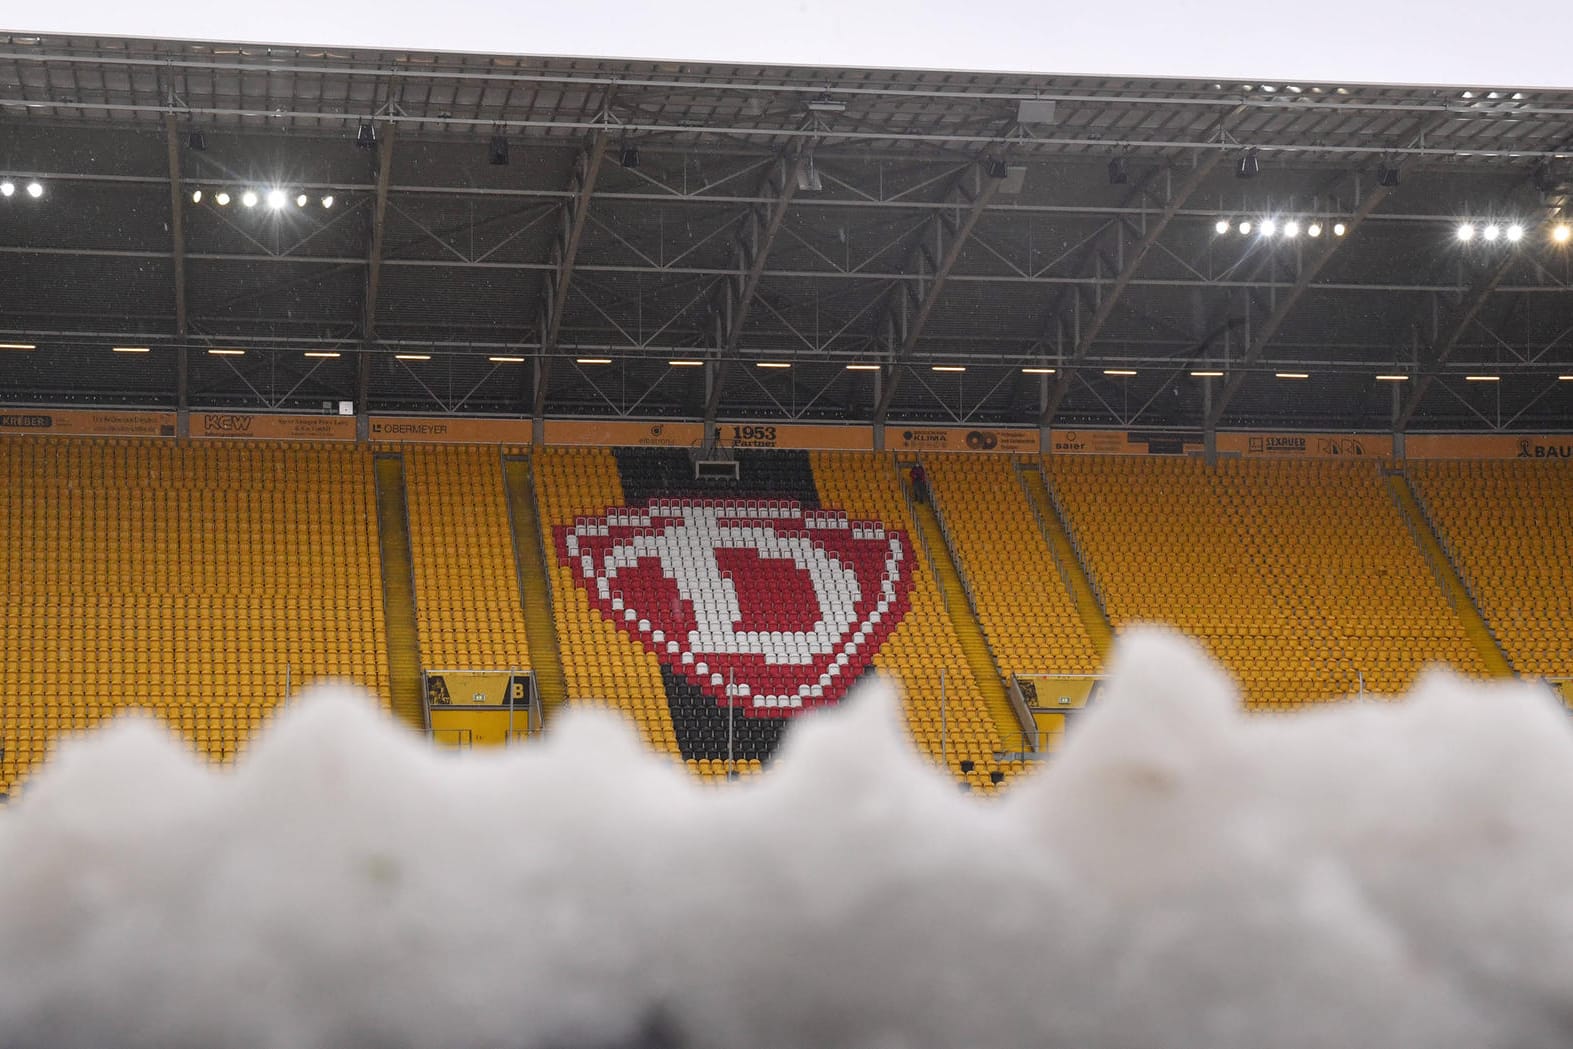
[
  {"x": 398, "y": 592},
  {"x": 973, "y": 644},
  {"x": 1447, "y": 574},
  {"x": 534, "y": 590},
  {"x": 1075, "y": 575}
]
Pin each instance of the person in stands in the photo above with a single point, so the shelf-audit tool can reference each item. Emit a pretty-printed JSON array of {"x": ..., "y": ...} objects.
[{"x": 920, "y": 483}]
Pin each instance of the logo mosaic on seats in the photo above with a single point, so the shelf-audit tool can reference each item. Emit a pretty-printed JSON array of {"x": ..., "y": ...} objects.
[{"x": 760, "y": 603}]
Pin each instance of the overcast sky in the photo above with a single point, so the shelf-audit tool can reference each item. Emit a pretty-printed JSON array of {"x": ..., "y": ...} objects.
[{"x": 1525, "y": 44}]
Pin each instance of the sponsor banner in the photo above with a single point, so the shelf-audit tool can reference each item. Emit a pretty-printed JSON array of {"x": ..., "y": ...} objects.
[
  {"x": 476, "y": 688},
  {"x": 1489, "y": 446},
  {"x": 273, "y": 427},
  {"x": 87, "y": 423},
  {"x": 960, "y": 439},
  {"x": 620, "y": 433},
  {"x": 1093, "y": 442},
  {"x": 416, "y": 428},
  {"x": 1306, "y": 445},
  {"x": 803, "y": 436},
  {"x": 1123, "y": 442}
]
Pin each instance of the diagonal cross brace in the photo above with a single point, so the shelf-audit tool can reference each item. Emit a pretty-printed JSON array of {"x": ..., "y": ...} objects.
[
  {"x": 1474, "y": 301},
  {"x": 565, "y": 251},
  {"x": 931, "y": 260},
  {"x": 379, "y": 213},
  {"x": 1105, "y": 309},
  {"x": 756, "y": 234},
  {"x": 1285, "y": 305}
]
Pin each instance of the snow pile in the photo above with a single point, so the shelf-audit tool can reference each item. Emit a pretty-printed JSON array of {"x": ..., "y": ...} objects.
[{"x": 1374, "y": 876}]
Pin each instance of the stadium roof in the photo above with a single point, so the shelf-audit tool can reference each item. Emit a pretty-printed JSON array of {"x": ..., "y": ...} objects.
[{"x": 652, "y": 212}]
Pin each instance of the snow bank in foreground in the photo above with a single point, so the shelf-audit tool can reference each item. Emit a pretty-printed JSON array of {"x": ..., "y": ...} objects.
[{"x": 1372, "y": 876}]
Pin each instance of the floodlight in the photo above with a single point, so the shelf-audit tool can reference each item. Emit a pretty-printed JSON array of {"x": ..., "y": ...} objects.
[
  {"x": 35, "y": 189},
  {"x": 276, "y": 199},
  {"x": 249, "y": 198}
]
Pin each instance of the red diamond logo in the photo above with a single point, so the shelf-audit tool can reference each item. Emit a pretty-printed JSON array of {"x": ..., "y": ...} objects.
[{"x": 777, "y": 607}]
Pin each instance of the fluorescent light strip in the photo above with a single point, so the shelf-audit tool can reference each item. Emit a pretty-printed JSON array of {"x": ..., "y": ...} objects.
[
  {"x": 1482, "y": 378},
  {"x": 1291, "y": 375},
  {"x": 1392, "y": 378},
  {"x": 685, "y": 364},
  {"x": 412, "y": 356},
  {"x": 17, "y": 346},
  {"x": 131, "y": 349},
  {"x": 227, "y": 353},
  {"x": 324, "y": 355},
  {"x": 1207, "y": 375},
  {"x": 506, "y": 360},
  {"x": 862, "y": 367},
  {"x": 1565, "y": 378},
  {"x": 947, "y": 368},
  {"x": 1122, "y": 372},
  {"x": 592, "y": 360},
  {"x": 1037, "y": 371},
  {"x": 772, "y": 364}
]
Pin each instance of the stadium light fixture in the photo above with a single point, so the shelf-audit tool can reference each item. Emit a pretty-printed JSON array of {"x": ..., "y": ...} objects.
[
  {"x": 412, "y": 356},
  {"x": 1515, "y": 233},
  {"x": 1269, "y": 227},
  {"x": 592, "y": 360},
  {"x": 1207, "y": 373},
  {"x": 327, "y": 201},
  {"x": 1248, "y": 165},
  {"x": 196, "y": 196},
  {"x": 221, "y": 351},
  {"x": 1561, "y": 233},
  {"x": 1221, "y": 227},
  {"x": 1314, "y": 230},
  {"x": 249, "y": 198},
  {"x": 1482, "y": 378},
  {"x": 1392, "y": 378},
  {"x": 1122, "y": 373},
  {"x": 23, "y": 346},
  {"x": 685, "y": 363},
  {"x": 506, "y": 360},
  {"x": 772, "y": 364},
  {"x": 130, "y": 349},
  {"x": 1244, "y": 227},
  {"x": 365, "y": 136},
  {"x": 1565, "y": 378},
  {"x": 222, "y": 200},
  {"x": 1465, "y": 231},
  {"x": 628, "y": 156},
  {"x": 823, "y": 103},
  {"x": 862, "y": 367},
  {"x": 1387, "y": 175},
  {"x": 196, "y": 140},
  {"x": 1037, "y": 371},
  {"x": 35, "y": 189},
  {"x": 497, "y": 151},
  {"x": 322, "y": 355},
  {"x": 276, "y": 199},
  {"x": 301, "y": 199},
  {"x": 7, "y": 188},
  {"x": 1490, "y": 233},
  {"x": 1291, "y": 229},
  {"x": 947, "y": 368},
  {"x": 1291, "y": 375},
  {"x": 1339, "y": 229}
]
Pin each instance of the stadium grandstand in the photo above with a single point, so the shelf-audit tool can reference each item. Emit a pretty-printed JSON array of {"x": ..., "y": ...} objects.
[{"x": 500, "y": 386}]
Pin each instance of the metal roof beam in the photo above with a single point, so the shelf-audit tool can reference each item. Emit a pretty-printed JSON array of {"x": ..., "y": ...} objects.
[
  {"x": 1284, "y": 305},
  {"x": 929, "y": 262},
  {"x": 756, "y": 234},
  {"x": 177, "y": 238},
  {"x": 1111, "y": 299},
  {"x": 565, "y": 252}
]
